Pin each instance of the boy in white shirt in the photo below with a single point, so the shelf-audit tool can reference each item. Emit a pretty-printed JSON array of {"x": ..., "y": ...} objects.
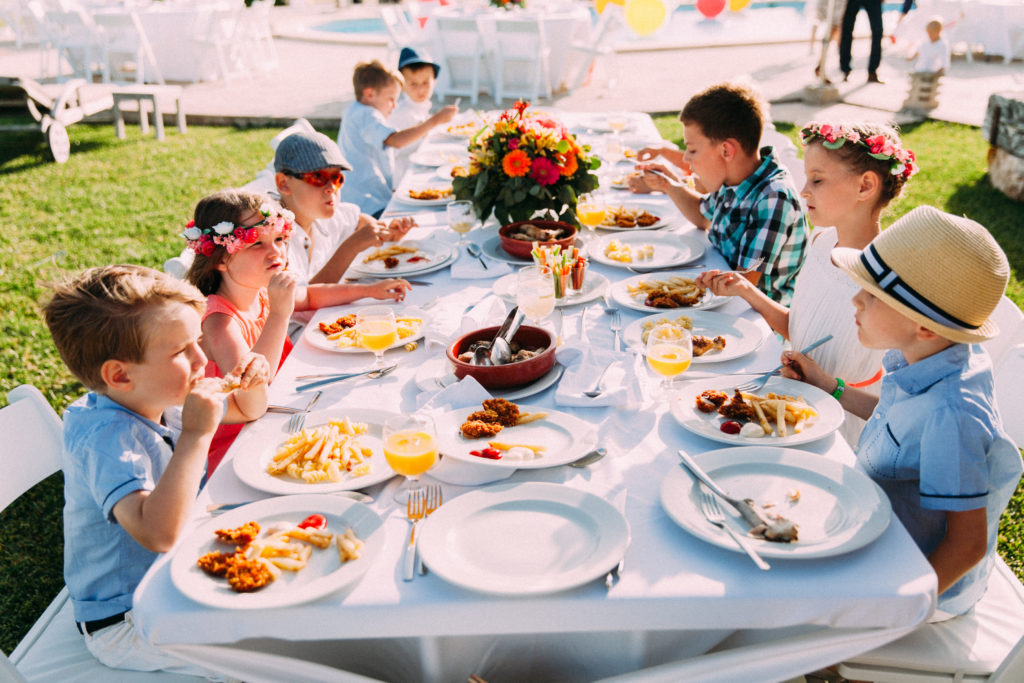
[
  {"x": 367, "y": 140},
  {"x": 933, "y": 54},
  {"x": 413, "y": 107}
]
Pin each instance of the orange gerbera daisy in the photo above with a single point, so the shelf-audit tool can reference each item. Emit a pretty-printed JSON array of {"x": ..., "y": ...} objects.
[
  {"x": 567, "y": 164},
  {"x": 516, "y": 163}
]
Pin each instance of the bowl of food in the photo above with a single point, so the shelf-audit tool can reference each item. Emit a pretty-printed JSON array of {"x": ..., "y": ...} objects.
[
  {"x": 517, "y": 238},
  {"x": 533, "y": 355}
]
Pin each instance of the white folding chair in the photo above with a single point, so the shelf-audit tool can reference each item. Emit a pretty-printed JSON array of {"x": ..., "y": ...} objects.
[
  {"x": 128, "y": 49},
  {"x": 402, "y": 32},
  {"x": 216, "y": 29},
  {"x": 596, "y": 44},
  {"x": 1007, "y": 352},
  {"x": 459, "y": 48},
  {"x": 520, "y": 59},
  {"x": 79, "y": 42},
  {"x": 256, "y": 36},
  {"x": 986, "y": 644}
]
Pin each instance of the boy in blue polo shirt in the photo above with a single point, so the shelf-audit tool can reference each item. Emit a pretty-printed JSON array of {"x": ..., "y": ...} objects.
[{"x": 367, "y": 141}]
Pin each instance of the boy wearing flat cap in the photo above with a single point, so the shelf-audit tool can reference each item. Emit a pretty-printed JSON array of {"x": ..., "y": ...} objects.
[{"x": 934, "y": 441}]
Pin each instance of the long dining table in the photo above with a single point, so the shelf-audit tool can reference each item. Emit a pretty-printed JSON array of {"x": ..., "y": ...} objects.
[{"x": 681, "y": 609}]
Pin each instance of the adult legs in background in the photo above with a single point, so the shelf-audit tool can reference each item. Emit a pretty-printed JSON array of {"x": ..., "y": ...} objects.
[
  {"x": 846, "y": 36},
  {"x": 874, "y": 10}
]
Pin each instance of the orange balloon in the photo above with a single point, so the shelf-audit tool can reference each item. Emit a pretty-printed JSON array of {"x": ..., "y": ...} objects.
[
  {"x": 737, "y": 5},
  {"x": 645, "y": 16}
]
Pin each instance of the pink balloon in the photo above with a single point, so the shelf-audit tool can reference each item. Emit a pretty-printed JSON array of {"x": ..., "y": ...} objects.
[{"x": 710, "y": 8}]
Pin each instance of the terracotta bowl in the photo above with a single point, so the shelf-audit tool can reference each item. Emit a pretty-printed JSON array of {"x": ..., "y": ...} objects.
[
  {"x": 513, "y": 374},
  {"x": 521, "y": 248}
]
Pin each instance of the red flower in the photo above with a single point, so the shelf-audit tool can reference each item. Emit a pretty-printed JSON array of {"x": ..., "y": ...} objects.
[
  {"x": 251, "y": 235},
  {"x": 544, "y": 172},
  {"x": 546, "y": 123},
  {"x": 520, "y": 106},
  {"x": 240, "y": 233},
  {"x": 516, "y": 163},
  {"x": 513, "y": 143},
  {"x": 568, "y": 163},
  {"x": 190, "y": 224},
  {"x": 207, "y": 247}
]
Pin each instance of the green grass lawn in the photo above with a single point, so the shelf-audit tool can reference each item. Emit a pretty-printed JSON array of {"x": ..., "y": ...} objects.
[{"x": 127, "y": 201}]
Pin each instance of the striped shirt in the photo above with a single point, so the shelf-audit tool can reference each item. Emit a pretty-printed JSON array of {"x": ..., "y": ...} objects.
[{"x": 761, "y": 218}]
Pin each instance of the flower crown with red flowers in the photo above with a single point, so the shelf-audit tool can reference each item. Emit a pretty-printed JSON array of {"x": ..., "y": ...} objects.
[
  {"x": 234, "y": 237},
  {"x": 901, "y": 161}
]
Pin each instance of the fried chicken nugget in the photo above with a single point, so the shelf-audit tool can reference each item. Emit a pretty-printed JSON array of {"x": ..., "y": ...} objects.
[
  {"x": 484, "y": 416},
  {"x": 508, "y": 412},
  {"x": 241, "y": 536},
  {"x": 738, "y": 409},
  {"x": 215, "y": 563},
  {"x": 475, "y": 429},
  {"x": 246, "y": 576}
]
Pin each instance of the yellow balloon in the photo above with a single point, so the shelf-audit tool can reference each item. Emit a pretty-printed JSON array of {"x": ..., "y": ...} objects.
[
  {"x": 737, "y": 5},
  {"x": 602, "y": 4},
  {"x": 645, "y": 16}
]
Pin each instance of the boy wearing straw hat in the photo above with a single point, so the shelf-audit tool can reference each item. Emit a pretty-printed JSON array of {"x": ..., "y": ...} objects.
[{"x": 934, "y": 441}]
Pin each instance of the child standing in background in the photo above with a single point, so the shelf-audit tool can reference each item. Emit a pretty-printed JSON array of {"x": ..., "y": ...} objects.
[
  {"x": 413, "y": 107},
  {"x": 932, "y": 55},
  {"x": 367, "y": 141}
]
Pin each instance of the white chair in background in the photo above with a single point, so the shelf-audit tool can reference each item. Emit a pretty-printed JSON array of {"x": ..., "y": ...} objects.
[
  {"x": 1007, "y": 352},
  {"x": 596, "y": 44},
  {"x": 520, "y": 58},
  {"x": 256, "y": 35},
  {"x": 79, "y": 42},
  {"x": 128, "y": 49},
  {"x": 402, "y": 32},
  {"x": 459, "y": 49},
  {"x": 47, "y": 37},
  {"x": 216, "y": 30}
]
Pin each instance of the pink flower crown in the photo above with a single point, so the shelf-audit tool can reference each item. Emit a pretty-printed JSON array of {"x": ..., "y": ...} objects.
[
  {"x": 234, "y": 238},
  {"x": 901, "y": 161}
]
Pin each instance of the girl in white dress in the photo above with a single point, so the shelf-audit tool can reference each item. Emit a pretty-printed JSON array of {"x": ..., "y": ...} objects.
[{"x": 853, "y": 172}]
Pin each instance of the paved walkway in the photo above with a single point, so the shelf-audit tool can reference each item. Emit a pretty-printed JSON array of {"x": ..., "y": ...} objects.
[{"x": 314, "y": 80}]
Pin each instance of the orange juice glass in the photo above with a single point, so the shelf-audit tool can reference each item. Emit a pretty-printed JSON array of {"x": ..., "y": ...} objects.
[
  {"x": 376, "y": 329},
  {"x": 669, "y": 353},
  {"x": 410, "y": 447}
]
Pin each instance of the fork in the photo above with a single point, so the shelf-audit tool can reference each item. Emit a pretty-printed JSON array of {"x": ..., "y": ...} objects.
[
  {"x": 755, "y": 266},
  {"x": 757, "y": 384},
  {"x": 298, "y": 419},
  {"x": 643, "y": 271},
  {"x": 433, "y": 501},
  {"x": 616, "y": 322},
  {"x": 713, "y": 512},
  {"x": 415, "y": 509}
]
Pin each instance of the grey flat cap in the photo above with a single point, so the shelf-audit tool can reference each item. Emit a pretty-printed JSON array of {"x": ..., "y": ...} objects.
[{"x": 305, "y": 152}]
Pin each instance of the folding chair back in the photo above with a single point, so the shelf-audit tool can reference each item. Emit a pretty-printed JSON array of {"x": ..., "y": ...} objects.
[
  {"x": 520, "y": 49},
  {"x": 459, "y": 48},
  {"x": 31, "y": 445}
]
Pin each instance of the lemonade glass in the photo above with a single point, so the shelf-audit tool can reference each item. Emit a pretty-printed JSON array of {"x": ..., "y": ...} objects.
[
  {"x": 535, "y": 292},
  {"x": 461, "y": 218},
  {"x": 410, "y": 447},
  {"x": 669, "y": 352},
  {"x": 590, "y": 213},
  {"x": 376, "y": 329}
]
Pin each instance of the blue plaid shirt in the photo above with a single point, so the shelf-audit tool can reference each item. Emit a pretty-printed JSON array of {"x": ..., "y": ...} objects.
[{"x": 761, "y": 218}]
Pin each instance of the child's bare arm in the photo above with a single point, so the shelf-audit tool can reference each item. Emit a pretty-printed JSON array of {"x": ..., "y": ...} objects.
[
  {"x": 685, "y": 199},
  {"x": 320, "y": 296},
  {"x": 155, "y": 518},
  {"x": 729, "y": 283},
  {"x": 961, "y": 548},
  {"x": 798, "y": 366},
  {"x": 249, "y": 401},
  {"x": 404, "y": 138}
]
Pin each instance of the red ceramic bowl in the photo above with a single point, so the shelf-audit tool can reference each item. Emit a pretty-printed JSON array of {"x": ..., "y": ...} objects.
[
  {"x": 513, "y": 374},
  {"x": 521, "y": 248}
]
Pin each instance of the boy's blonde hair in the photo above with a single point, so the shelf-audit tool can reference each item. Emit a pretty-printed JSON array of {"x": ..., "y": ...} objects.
[
  {"x": 727, "y": 110},
  {"x": 374, "y": 75},
  {"x": 102, "y": 314}
]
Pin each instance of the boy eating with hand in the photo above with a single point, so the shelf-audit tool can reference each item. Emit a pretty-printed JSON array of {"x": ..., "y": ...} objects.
[
  {"x": 413, "y": 106},
  {"x": 934, "y": 441},
  {"x": 135, "y": 446}
]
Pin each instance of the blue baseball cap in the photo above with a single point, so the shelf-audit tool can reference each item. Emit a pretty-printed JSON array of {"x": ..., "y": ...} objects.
[{"x": 409, "y": 57}]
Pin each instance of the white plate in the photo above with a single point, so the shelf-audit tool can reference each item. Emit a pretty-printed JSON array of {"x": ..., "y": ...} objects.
[
  {"x": 448, "y": 154},
  {"x": 401, "y": 196},
  {"x": 659, "y": 210},
  {"x": 741, "y": 335},
  {"x": 439, "y": 254},
  {"x": 621, "y": 294},
  {"x": 255, "y": 447},
  {"x": 594, "y": 285},
  {"x": 436, "y": 373},
  {"x": 524, "y": 539},
  {"x": 492, "y": 247},
  {"x": 318, "y": 339},
  {"x": 323, "y": 575},
  {"x": 565, "y": 438},
  {"x": 669, "y": 249},
  {"x": 839, "y": 510},
  {"x": 684, "y": 410}
]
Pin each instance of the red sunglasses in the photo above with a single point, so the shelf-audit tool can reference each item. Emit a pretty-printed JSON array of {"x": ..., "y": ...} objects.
[{"x": 321, "y": 177}]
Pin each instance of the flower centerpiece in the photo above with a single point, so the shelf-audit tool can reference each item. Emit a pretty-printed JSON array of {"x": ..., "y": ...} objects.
[
  {"x": 508, "y": 4},
  {"x": 525, "y": 163}
]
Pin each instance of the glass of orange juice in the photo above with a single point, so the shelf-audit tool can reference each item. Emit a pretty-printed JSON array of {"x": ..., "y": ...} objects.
[
  {"x": 410, "y": 447},
  {"x": 669, "y": 352},
  {"x": 375, "y": 327},
  {"x": 590, "y": 212}
]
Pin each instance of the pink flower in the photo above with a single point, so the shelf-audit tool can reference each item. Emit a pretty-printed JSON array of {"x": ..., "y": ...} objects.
[
  {"x": 544, "y": 172},
  {"x": 240, "y": 233},
  {"x": 513, "y": 143},
  {"x": 828, "y": 132}
]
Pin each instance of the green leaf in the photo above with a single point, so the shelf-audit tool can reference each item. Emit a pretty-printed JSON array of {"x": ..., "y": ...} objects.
[
  {"x": 563, "y": 146},
  {"x": 833, "y": 145}
]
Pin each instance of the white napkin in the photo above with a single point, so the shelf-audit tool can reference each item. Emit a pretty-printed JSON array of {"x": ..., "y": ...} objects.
[
  {"x": 468, "y": 267},
  {"x": 583, "y": 365},
  {"x": 447, "y": 323},
  {"x": 466, "y": 393}
]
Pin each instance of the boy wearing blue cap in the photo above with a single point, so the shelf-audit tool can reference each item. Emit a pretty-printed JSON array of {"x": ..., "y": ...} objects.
[
  {"x": 413, "y": 107},
  {"x": 367, "y": 141}
]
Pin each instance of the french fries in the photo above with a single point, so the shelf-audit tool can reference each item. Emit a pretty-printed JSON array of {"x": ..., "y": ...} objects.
[
  {"x": 502, "y": 446},
  {"x": 390, "y": 250},
  {"x": 431, "y": 193},
  {"x": 786, "y": 412},
  {"x": 681, "y": 289},
  {"x": 330, "y": 452}
]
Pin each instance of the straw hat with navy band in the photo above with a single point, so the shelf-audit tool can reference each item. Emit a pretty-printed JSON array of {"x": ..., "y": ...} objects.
[{"x": 944, "y": 272}]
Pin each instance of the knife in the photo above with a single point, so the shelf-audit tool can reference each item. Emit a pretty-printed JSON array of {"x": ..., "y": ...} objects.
[
  {"x": 338, "y": 378},
  {"x": 418, "y": 283},
  {"x": 217, "y": 508},
  {"x": 742, "y": 506}
]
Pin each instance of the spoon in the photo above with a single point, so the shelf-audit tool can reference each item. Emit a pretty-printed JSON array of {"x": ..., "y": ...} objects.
[
  {"x": 501, "y": 351},
  {"x": 597, "y": 391},
  {"x": 591, "y": 457},
  {"x": 474, "y": 250}
]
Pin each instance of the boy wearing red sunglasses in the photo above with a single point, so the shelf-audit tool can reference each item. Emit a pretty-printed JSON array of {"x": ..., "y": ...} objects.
[{"x": 308, "y": 178}]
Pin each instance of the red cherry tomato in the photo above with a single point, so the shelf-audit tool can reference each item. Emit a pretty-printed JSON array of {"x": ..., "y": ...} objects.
[
  {"x": 317, "y": 522},
  {"x": 489, "y": 453},
  {"x": 731, "y": 427}
]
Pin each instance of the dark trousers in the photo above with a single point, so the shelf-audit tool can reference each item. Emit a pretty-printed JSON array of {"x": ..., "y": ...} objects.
[{"x": 874, "y": 10}]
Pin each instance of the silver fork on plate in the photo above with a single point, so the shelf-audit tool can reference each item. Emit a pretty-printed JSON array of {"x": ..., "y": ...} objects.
[
  {"x": 758, "y": 383},
  {"x": 713, "y": 511},
  {"x": 298, "y": 420},
  {"x": 615, "y": 325}
]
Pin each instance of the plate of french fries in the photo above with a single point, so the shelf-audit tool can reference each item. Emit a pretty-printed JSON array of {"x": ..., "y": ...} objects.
[
  {"x": 408, "y": 257},
  {"x": 664, "y": 291},
  {"x": 338, "y": 449},
  {"x": 647, "y": 249},
  {"x": 283, "y": 564},
  {"x": 784, "y": 412},
  {"x": 836, "y": 508},
  {"x": 539, "y": 438},
  {"x": 739, "y": 336},
  {"x": 333, "y": 329}
]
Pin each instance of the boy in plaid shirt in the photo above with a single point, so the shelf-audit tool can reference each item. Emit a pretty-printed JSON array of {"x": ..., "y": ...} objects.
[{"x": 752, "y": 210}]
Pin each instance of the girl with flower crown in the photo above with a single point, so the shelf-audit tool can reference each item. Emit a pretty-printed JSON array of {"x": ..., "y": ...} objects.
[
  {"x": 853, "y": 172},
  {"x": 240, "y": 244}
]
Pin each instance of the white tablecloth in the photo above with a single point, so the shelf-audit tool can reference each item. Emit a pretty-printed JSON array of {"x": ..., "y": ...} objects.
[{"x": 678, "y": 598}]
